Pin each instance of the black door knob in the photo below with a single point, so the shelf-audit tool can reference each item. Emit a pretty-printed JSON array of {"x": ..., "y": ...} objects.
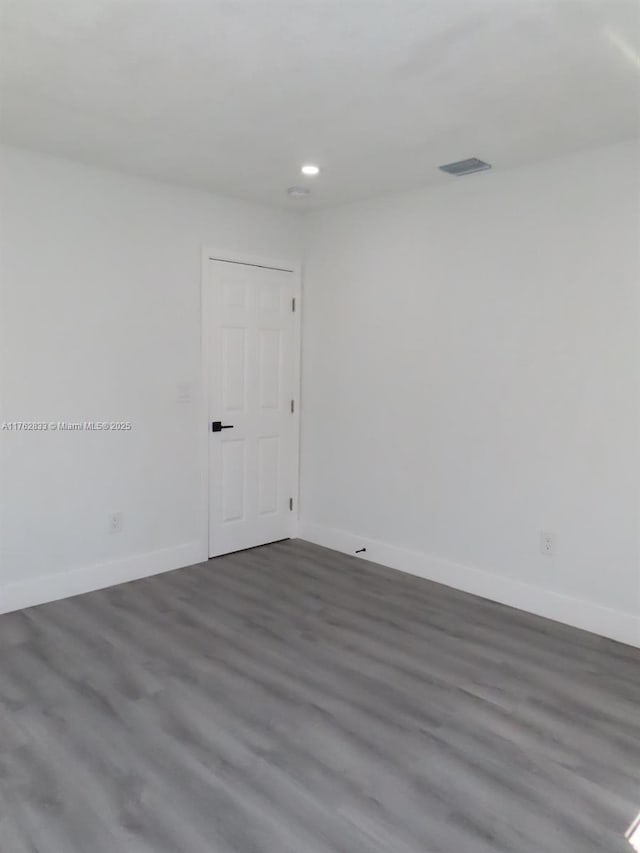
[{"x": 216, "y": 426}]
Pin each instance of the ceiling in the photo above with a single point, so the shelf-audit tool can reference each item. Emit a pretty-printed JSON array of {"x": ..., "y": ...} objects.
[{"x": 235, "y": 95}]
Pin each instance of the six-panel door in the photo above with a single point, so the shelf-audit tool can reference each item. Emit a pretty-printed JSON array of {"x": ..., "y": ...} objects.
[{"x": 251, "y": 375}]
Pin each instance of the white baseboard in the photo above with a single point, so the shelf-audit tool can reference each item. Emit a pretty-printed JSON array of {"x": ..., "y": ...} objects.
[
  {"x": 44, "y": 588},
  {"x": 607, "y": 622}
]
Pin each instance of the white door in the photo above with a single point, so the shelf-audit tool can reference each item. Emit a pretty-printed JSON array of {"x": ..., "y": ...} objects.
[{"x": 253, "y": 365}]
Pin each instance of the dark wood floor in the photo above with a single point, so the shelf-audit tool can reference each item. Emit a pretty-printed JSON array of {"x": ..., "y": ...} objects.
[{"x": 290, "y": 699}]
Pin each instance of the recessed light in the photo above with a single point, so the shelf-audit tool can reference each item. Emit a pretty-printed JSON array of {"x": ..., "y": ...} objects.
[
  {"x": 298, "y": 192},
  {"x": 310, "y": 169}
]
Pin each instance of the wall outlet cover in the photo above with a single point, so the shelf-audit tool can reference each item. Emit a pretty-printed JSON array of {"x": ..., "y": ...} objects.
[
  {"x": 115, "y": 522},
  {"x": 547, "y": 543}
]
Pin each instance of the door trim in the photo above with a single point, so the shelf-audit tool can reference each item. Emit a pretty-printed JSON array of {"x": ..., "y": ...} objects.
[{"x": 294, "y": 267}]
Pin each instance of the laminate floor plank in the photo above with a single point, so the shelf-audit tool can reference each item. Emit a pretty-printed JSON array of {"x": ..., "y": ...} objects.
[{"x": 290, "y": 699}]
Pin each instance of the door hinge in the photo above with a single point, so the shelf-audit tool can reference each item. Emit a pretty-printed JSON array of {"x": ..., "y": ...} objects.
[
  {"x": 293, "y": 406},
  {"x": 291, "y": 504},
  {"x": 293, "y": 304}
]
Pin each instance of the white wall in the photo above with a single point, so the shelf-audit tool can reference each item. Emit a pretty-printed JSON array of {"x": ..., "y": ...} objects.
[
  {"x": 471, "y": 376},
  {"x": 100, "y": 320}
]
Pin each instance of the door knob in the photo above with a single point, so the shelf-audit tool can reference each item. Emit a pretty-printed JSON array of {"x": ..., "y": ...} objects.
[{"x": 216, "y": 426}]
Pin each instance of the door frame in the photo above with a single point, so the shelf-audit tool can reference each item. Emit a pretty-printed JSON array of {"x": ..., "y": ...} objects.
[{"x": 294, "y": 267}]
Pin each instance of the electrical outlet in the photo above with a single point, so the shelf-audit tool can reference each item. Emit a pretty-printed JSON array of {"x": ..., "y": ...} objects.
[
  {"x": 115, "y": 522},
  {"x": 547, "y": 543}
]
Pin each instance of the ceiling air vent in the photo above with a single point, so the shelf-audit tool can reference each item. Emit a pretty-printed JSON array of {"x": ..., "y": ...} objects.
[{"x": 465, "y": 167}]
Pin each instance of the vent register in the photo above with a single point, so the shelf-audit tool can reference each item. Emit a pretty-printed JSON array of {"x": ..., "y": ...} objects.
[{"x": 465, "y": 167}]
